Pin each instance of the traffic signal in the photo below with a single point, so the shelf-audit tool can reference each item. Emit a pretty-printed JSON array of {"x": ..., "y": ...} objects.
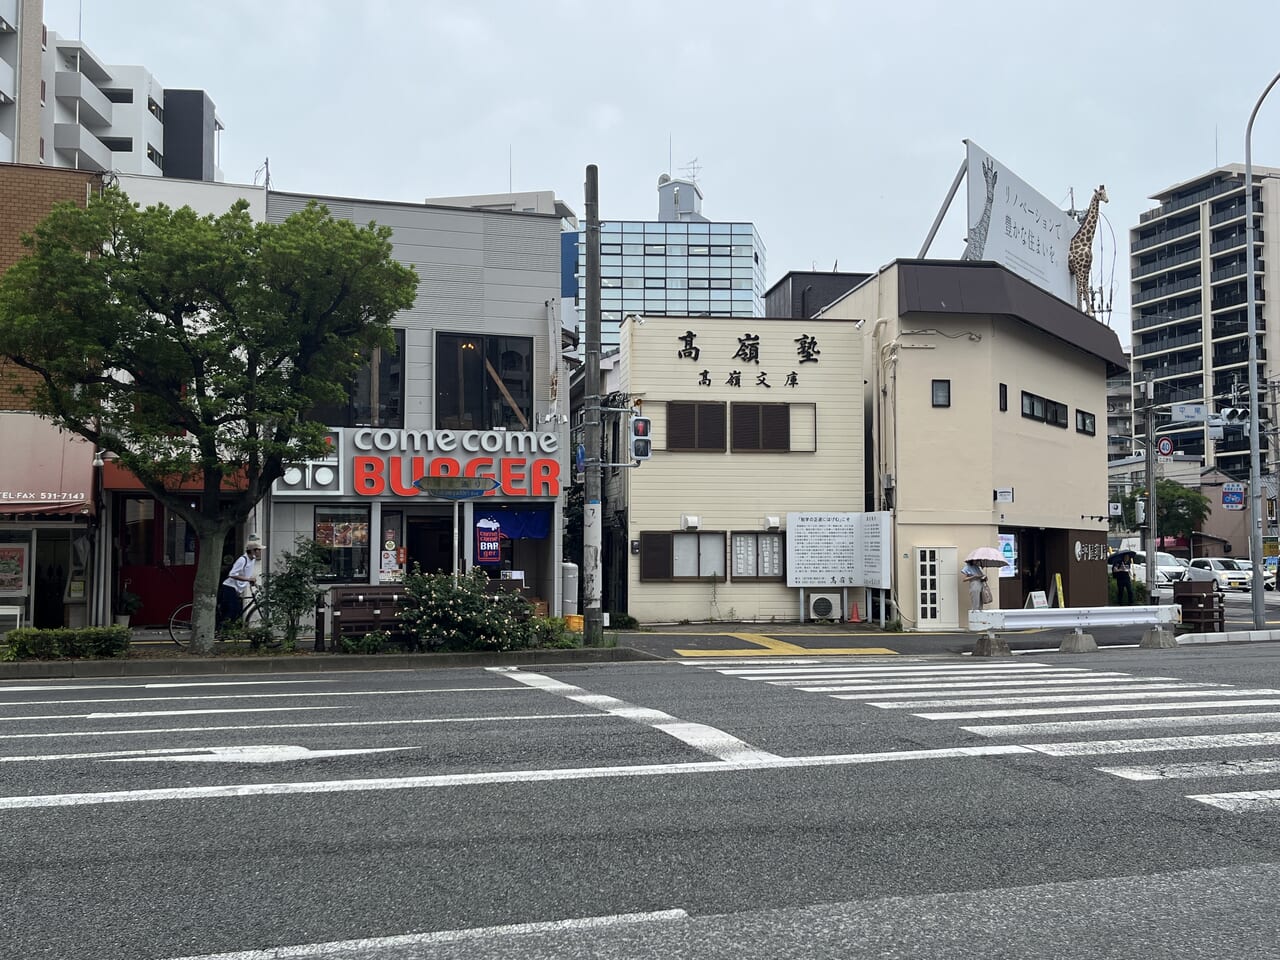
[
  {"x": 1140, "y": 510},
  {"x": 641, "y": 438}
]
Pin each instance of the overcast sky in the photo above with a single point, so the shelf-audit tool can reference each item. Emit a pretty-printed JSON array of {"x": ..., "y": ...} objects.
[{"x": 835, "y": 127}]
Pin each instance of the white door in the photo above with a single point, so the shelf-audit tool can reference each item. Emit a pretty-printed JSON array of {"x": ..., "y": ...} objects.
[{"x": 937, "y": 583}]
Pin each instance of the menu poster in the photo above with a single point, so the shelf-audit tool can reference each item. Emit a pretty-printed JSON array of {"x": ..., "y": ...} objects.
[{"x": 13, "y": 570}]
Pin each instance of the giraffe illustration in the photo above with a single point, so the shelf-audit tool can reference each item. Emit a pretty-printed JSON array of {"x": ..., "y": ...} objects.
[
  {"x": 977, "y": 244},
  {"x": 1080, "y": 252}
]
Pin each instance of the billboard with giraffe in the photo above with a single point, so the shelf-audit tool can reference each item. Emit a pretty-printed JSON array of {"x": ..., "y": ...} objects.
[{"x": 1016, "y": 226}]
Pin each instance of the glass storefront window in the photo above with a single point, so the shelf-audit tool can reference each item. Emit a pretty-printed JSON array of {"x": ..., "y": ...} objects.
[{"x": 342, "y": 533}]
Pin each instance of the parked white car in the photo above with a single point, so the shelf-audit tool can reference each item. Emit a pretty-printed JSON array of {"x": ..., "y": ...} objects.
[
  {"x": 1168, "y": 568},
  {"x": 1268, "y": 573},
  {"x": 1227, "y": 573}
]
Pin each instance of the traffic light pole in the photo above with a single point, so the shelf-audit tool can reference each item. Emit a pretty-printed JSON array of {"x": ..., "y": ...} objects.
[
  {"x": 592, "y": 533},
  {"x": 1151, "y": 488}
]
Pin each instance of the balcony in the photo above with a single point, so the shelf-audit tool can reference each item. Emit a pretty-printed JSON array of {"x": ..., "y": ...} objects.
[
  {"x": 81, "y": 148},
  {"x": 1226, "y": 273},
  {"x": 6, "y": 149},
  {"x": 1191, "y": 199},
  {"x": 1232, "y": 213},
  {"x": 8, "y": 84},
  {"x": 1165, "y": 371},
  {"x": 1163, "y": 290},
  {"x": 8, "y": 16},
  {"x": 78, "y": 92},
  {"x": 1141, "y": 269},
  {"x": 1140, "y": 322},
  {"x": 1164, "y": 236},
  {"x": 1167, "y": 343},
  {"x": 1232, "y": 242}
]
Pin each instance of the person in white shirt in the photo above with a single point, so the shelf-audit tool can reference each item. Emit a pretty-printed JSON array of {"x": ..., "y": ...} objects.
[{"x": 234, "y": 589}]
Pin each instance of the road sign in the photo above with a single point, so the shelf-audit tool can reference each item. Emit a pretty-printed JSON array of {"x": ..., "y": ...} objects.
[
  {"x": 1164, "y": 447},
  {"x": 580, "y": 459},
  {"x": 1189, "y": 412},
  {"x": 1233, "y": 496},
  {"x": 456, "y": 488}
]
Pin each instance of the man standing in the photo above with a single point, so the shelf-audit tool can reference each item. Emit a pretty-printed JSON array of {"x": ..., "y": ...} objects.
[{"x": 1122, "y": 569}]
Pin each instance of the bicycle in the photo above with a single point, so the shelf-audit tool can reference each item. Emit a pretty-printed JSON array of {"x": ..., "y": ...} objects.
[{"x": 181, "y": 621}]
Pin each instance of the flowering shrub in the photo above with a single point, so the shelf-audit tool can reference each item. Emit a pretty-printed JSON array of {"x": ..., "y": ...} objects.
[{"x": 444, "y": 615}]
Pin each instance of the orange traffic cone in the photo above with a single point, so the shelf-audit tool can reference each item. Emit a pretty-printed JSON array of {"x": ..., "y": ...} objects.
[{"x": 854, "y": 617}]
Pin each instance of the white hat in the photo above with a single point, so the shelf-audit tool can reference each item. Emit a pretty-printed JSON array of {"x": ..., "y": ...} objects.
[{"x": 253, "y": 545}]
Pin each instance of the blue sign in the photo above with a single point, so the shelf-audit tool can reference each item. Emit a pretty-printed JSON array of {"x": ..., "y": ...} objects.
[{"x": 580, "y": 459}]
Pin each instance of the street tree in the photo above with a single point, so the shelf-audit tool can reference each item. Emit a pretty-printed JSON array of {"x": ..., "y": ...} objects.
[
  {"x": 192, "y": 348},
  {"x": 1179, "y": 510}
]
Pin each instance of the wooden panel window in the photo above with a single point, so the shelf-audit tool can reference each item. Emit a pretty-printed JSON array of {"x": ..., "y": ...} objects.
[
  {"x": 696, "y": 426},
  {"x": 682, "y": 556},
  {"x": 761, "y": 426}
]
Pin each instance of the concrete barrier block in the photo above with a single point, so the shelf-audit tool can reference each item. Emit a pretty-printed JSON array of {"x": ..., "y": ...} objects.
[
  {"x": 1078, "y": 643},
  {"x": 990, "y": 645}
]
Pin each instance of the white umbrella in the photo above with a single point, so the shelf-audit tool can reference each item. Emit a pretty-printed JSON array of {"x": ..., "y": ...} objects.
[{"x": 986, "y": 557}]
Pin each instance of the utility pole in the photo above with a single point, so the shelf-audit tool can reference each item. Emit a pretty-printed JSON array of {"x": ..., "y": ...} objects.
[
  {"x": 592, "y": 621},
  {"x": 1151, "y": 486}
]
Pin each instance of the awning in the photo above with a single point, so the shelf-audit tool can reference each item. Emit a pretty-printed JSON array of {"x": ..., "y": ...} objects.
[{"x": 43, "y": 469}]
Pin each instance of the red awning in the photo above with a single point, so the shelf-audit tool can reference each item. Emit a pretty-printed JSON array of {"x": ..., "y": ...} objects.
[{"x": 43, "y": 469}]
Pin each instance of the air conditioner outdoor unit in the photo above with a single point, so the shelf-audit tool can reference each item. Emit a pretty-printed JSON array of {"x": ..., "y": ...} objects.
[{"x": 825, "y": 606}]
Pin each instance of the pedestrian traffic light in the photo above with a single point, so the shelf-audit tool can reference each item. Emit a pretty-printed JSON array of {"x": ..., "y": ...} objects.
[
  {"x": 1140, "y": 510},
  {"x": 641, "y": 438}
]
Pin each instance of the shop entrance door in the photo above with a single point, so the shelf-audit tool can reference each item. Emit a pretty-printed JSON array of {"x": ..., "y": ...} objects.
[{"x": 429, "y": 543}]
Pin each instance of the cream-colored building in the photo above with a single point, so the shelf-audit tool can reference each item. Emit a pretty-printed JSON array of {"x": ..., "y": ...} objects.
[
  {"x": 987, "y": 412},
  {"x": 751, "y": 419}
]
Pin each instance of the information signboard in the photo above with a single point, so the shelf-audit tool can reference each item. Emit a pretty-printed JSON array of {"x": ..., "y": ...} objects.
[{"x": 839, "y": 550}]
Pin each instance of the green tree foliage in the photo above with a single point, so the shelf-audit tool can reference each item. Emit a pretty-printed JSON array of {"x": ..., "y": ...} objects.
[
  {"x": 1179, "y": 510},
  {"x": 193, "y": 347}
]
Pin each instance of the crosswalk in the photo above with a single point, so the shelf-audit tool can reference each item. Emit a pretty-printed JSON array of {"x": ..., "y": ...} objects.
[{"x": 1065, "y": 711}]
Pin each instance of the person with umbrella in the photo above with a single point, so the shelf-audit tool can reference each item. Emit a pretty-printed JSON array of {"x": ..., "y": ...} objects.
[
  {"x": 1122, "y": 570},
  {"x": 974, "y": 573}
]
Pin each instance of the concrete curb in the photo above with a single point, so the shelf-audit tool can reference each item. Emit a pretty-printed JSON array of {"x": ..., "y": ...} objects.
[
  {"x": 311, "y": 663},
  {"x": 1234, "y": 636}
]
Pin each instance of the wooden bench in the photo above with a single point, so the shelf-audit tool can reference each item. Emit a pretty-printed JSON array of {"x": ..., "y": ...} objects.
[{"x": 360, "y": 610}]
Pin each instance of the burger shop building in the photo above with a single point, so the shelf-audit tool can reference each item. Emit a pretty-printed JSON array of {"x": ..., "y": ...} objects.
[{"x": 371, "y": 505}]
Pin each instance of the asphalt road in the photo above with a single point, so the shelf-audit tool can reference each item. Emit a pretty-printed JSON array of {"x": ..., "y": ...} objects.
[{"x": 1107, "y": 805}]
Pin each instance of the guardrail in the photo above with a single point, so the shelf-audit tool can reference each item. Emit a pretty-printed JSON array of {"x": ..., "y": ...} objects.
[
  {"x": 1073, "y": 618},
  {"x": 1160, "y": 620}
]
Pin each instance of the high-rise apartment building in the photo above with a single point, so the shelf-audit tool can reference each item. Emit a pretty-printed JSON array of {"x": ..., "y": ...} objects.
[
  {"x": 680, "y": 265},
  {"x": 1188, "y": 294},
  {"x": 61, "y": 105}
]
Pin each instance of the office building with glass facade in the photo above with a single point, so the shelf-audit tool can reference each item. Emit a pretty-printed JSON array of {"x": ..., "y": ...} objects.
[{"x": 680, "y": 265}]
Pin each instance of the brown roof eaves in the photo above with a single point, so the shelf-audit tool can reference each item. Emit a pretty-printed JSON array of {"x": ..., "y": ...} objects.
[{"x": 982, "y": 287}]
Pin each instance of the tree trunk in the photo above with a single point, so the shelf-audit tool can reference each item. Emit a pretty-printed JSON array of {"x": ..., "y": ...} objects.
[{"x": 204, "y": 598}]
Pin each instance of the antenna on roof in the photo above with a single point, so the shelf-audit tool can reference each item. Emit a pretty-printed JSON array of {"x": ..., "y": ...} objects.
[{"x": 692, "y": 169}]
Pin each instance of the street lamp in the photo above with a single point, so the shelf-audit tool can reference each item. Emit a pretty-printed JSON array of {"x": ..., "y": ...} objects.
[{"x": 1255, "y": 466}]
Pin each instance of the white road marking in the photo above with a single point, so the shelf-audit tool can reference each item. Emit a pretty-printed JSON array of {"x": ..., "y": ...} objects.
[
  {"x": 948, "y": 680},
  {"x": 1246, "y": 801},
  {"x": 1192, "y": 771},
  {"x": 1070, "y": 696},
  {"x": 996, "y": 682},
  {"x": 158, "y": 713},
  {"x": 1093, "y": 748},
  {"x": 379, "y": 944},
  {"x": 707, "y": 739},
  {"x": 501, "y": 777},
  {"x": 951, "y": 670},
  {"x": 265, "y": 696},
  {"x": 1084, "y": 688},
  {"x": 138, "y": 715},
  {"x": 1119, "y": 723},
  {"x": 149, "y": 731},
  {"x": 1105, "y": 708},
  {"x": 261, "y": 753},
  {"x": 91, "y": 685}
]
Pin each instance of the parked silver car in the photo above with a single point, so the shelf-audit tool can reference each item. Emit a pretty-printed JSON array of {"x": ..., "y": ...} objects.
[{"x": 1227, "y": 573}]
